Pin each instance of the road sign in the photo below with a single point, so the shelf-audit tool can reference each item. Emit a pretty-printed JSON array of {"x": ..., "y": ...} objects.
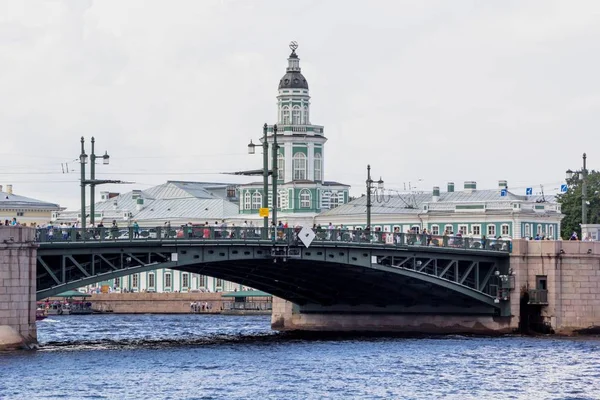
[
  {"x": 306, "y": 236},
  {"x": 563, "y": 188},
  {"x": 263, "y": 212},
  {"x": 529, "y": 191},
  {"x": 503, "y": 193}
]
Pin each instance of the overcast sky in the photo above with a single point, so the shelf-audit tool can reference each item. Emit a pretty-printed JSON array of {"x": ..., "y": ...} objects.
[{"x": 425, "y": 91}]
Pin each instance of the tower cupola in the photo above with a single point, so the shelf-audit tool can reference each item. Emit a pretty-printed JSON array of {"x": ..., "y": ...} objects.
[{"x": 293, "y": 78}]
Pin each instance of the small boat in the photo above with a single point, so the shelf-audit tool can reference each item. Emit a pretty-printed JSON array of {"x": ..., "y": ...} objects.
[{"x": 40, "y": 314}]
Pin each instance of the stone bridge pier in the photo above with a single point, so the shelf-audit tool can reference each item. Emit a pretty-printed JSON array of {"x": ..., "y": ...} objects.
[{"x": 17, "y": 288}]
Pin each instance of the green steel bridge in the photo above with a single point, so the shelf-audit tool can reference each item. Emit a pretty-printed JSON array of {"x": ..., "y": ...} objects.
[{"x": 340, "y": 270}]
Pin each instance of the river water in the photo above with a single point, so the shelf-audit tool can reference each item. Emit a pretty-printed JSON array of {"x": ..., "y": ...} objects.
[{"x": 229, "y": 357}]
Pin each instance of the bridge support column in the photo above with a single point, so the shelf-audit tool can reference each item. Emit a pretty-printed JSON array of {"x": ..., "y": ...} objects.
[
  {"x": 289, "y": 317},
  {"x": 17, "y": 288}
]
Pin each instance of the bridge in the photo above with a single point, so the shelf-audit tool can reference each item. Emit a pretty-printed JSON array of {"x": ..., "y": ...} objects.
[{"x": 341, "y": 271}]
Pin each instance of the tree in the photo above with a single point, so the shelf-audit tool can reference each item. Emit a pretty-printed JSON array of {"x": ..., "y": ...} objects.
[{"x": 571, "y": 204}]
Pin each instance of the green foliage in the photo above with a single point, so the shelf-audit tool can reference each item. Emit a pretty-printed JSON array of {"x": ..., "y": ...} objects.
[{"x": 571, "y": 204}]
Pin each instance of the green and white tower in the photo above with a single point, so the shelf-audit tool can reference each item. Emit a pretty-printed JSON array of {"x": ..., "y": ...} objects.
[{"x": 302, "y": 189}]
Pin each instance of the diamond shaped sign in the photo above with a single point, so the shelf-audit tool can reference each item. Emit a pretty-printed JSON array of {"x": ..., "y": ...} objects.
[{"x": 306, "y": 236}]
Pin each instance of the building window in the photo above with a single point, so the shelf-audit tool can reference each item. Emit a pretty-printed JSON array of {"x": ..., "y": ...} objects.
[
  {"x": 491, "y": 230},
  {"x": 117, "y": 282},
  {"x": 134, "y": 280},
  {"x": 334, "y": 200},
  {"x": 462, "y": 229},
  {"x": 231, "y": 191},
  {"x": 151, "y": 280},
  {"x": 219, "y": 283},
  {"x": 505, "y": 230},
  {"x": 185, "y": 280},
  {"x": 318, "y": 167},
  {"x": 202, "y": 281},
  {"x": 299, "y": 166},
  {"x": 256, "y": 201},
  {"x": 20, "y": 213},
  {"x": 285, "y": 115},
  {"x": 527, "y": 231},
  {"x": 247, "y": 201},
  {"x": 296, "y": 115},
  {"x": 476, "y": 230},
  {"x": 449, "y": 229},
  {"x": 551, "y": 231},
  {"x": 280, "y": 167},
  {"x": 282, "y": 199},
  {"x": 305, "y": 198},
  {"x": 435, "y": 230},
  {"x": 306, "y": 120},
  {"x": 168, "y": 280},
  {"x": 539, "y": 229}
]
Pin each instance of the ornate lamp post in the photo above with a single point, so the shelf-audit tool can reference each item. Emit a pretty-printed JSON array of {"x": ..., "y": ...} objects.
[
  {"x": 583, "y": 176},
  {"x": 93, "y": 181},
  {"x": 105, "y": 161},
  {"x": 369, "y": 191}
]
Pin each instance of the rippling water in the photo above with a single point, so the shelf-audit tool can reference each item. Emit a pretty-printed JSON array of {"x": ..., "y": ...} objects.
[{"x": 229, "y": 357}]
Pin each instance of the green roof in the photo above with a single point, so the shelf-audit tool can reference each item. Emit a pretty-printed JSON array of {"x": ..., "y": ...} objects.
[
  {"x": 72, "y": 293},
  {"x": 247, "y": 293}
]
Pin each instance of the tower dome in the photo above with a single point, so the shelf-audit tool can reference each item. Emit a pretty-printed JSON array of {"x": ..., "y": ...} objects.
[{"x": 293, "y": 78}]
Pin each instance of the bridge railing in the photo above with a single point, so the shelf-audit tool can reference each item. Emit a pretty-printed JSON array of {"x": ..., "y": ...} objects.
[{"x": 279, "y": 235}]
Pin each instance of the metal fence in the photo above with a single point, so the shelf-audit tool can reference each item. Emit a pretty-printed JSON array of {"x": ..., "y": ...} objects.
[
  {"x": 276, "y": 235},
  {"x": 538, "y": 296}
]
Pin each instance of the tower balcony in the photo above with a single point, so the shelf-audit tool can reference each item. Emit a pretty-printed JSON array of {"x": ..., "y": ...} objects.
[{"x": 304, "y": 129}]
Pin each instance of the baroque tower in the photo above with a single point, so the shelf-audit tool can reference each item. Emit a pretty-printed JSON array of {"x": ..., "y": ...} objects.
[{"x": 302, "y": 189}]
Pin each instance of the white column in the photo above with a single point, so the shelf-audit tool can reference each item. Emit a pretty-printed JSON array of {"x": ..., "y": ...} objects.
[
  {"x": 288, "y": 147},
  {"x": 311, "y": 160}
]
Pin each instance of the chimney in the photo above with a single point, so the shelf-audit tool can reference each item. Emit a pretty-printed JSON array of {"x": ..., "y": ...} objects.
[
  {"x": 450, "y": 187},
  {"x": 470, "y": 186},
  {"x": 139, "y": 204},
  {"x": 502, "y": 185},
  {"x": 9, "y": 189},
  {"x": 115, "y": 205},
  {"x": 436, "y": 193}
]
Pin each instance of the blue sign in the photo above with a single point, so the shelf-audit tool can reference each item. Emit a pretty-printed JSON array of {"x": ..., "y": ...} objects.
[
  {"x": 503, "y": 192},
  {"x": 529, "y": 191},
  {"x": 563, "y": 188}
]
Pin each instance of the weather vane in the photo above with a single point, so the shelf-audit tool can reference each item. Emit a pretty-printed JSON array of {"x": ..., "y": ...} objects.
[{"x": 293, "y": 46}]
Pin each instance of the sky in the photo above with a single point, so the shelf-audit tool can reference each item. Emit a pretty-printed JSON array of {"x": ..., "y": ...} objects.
[{"x": 426, "y": 92}]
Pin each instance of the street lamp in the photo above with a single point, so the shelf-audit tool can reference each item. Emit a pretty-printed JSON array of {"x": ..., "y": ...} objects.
[
  {"x": 378, "y": 191},
  {"x": 265, "y": 202},
  {"x": 265, "y": 199},
  {"x": 93, "y": 182},
  {"x": 583, "y": 176},
  {"x": 83, "y": 159}
]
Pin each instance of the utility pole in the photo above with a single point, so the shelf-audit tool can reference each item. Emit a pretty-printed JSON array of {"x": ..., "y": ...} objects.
[
  {"x": 369, "y": 185},
  {"x": 82, "y": 161}
]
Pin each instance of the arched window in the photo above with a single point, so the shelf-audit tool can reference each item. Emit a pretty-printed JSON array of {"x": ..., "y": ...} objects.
[
  {"x": 318, "y": 167},
  {"x": 280, "y": 167},
  {"x": 247, "y": 203},
  {"x": 285, "y": 115},
  {"x": 256, "y": 201},
  {"x": 306, "y": 120},
  {"x": 305, "y": 198},
  {"x": 299, "y": 166},
  {"x": 296, "y": 115}
]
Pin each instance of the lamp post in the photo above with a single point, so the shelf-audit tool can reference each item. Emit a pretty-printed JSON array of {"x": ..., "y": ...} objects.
[
  {"x": 274, "y": 175},
  {"x": 369, "y": 190},
  {"x": 93, "y": 181},
  {"x": 105, "y": 161},
  {"x": 83, "y": 160},
  {"x": 584, "y": 174},
  {"x": 265, "y": 171}
]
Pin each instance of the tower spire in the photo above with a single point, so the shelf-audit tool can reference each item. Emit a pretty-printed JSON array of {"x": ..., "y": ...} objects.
[{"x": 293, "y": 60}]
